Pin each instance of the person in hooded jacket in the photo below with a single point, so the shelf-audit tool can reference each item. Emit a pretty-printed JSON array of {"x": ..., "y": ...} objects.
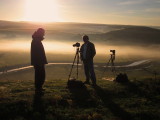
[{"x": 38, "y": 58}]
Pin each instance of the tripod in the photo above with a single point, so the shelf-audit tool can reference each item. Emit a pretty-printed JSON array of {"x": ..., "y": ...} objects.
[
  {"x": 111, "y": 60},
  {"x": 75, "y": 58}
]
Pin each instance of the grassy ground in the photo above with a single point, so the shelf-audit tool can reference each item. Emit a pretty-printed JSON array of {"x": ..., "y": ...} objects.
[{"x": 137, "y": 99}]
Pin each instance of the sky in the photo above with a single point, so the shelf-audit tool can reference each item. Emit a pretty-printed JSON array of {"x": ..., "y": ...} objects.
[{"x": 127, "y": 12}]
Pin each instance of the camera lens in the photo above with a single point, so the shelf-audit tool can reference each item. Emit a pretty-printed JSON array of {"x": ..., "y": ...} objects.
[{"x": 76, "y": 44}]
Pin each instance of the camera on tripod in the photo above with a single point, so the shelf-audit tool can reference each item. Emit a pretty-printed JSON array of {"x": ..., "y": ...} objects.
[
  {"x": 113, "y": 51},
  {"x": 76, "y": 59},
  {"x": 77, "y": 44}
]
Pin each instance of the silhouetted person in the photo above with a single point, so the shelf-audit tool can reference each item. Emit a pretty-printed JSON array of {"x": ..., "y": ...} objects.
[
  {"x": 38, "y": 58},
  {"x": 87, "y": 53}
]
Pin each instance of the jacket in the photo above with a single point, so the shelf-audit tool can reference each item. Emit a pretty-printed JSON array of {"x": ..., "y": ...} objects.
[
  {"x": 90, "y": 53},
  {"x": 38, "y": 56}
]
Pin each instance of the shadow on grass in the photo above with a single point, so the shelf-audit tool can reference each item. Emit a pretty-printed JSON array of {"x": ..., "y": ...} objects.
[
  {"x": 13, "y": 110},
  {"x": 133, "y": 88},
  {"x": 145, "y": 89},
  {"x": 38, "y": 106},
  {"x": 146, "y": 98},
  {"x": 81, "y": 97},
  {"x": 113, "y": 107}
]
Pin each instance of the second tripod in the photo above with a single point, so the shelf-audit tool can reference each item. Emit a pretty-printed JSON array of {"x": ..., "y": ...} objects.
[{"x": 111, "y": 60}]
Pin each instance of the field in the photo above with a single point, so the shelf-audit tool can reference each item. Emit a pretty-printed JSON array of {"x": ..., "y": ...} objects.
[{"x": 137, "y": 99}]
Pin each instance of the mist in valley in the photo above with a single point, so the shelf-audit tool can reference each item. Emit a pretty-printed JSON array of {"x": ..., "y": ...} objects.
[
  {"x": 129, "y": 41},
  {"x": 62, "y": 47}
]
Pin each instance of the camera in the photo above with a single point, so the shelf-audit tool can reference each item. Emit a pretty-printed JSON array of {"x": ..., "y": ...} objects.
[
  {"x": 113, "y": 51},
  {"x": 76, "y": 45}
]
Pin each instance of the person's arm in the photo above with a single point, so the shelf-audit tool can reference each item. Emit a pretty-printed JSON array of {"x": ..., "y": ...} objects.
[
  {"x": 93, "y": 50},
  {"x": 42, "y": 54}
]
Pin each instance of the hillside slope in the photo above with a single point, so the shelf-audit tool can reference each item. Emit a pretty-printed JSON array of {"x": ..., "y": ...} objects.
[{"x": 131, "y": 35}]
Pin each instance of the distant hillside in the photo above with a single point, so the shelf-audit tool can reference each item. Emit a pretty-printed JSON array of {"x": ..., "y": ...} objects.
[
  {"x": 58, "y": 30},
  {"x": 67, "y": 27},
  {"x": 109, "y": 34},
  {"x": 131, "y": 35}
]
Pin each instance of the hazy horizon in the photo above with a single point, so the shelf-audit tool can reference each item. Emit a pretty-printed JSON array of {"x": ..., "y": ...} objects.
[
  {"x": 54, "y": 22},
  {"x": 137, "y": 12}
]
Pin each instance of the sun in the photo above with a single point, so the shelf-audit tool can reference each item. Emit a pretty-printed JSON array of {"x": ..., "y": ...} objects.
[{"x": 41, "y": 11}]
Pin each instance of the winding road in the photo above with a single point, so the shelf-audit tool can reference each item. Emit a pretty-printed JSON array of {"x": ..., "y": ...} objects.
[{"x": 134, "y": 64}]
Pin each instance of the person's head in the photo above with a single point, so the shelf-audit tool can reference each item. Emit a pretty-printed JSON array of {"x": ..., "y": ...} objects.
[
  {"x": 85, "y": 38},
  {"x": 39, "y": 34}
]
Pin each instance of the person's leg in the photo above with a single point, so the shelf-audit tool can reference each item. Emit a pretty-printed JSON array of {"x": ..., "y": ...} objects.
[
  {"x": 37, "y": 77},
  {"x": 42, "y": 75},
  {"x": 86, "y": 70},
  {"x": 91, "y": 71}
]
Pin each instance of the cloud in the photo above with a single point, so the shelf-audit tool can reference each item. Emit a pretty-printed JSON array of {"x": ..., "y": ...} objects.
[
  {"x": 155, "y": 10},
  {"x": 120, "y": 13},
  {"x": 132, "y": 2},
  {"x": 157, "y": 1}
]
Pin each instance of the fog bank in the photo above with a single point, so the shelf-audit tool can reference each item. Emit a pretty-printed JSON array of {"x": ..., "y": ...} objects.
[{"x": 57, "y": 47}]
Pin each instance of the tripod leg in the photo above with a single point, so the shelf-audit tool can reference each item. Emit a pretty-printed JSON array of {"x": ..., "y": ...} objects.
[
  {"x": 77, "y": 64},
  {"x": 106, "y": 67},
  {"x": 72, "y": 66},
  {"x": 113, "y": 67},
  {"x": 77, "y": 60}
]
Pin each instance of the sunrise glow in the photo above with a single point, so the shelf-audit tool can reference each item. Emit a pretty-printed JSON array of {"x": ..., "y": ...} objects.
[{"x": 41, "y": 11}]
